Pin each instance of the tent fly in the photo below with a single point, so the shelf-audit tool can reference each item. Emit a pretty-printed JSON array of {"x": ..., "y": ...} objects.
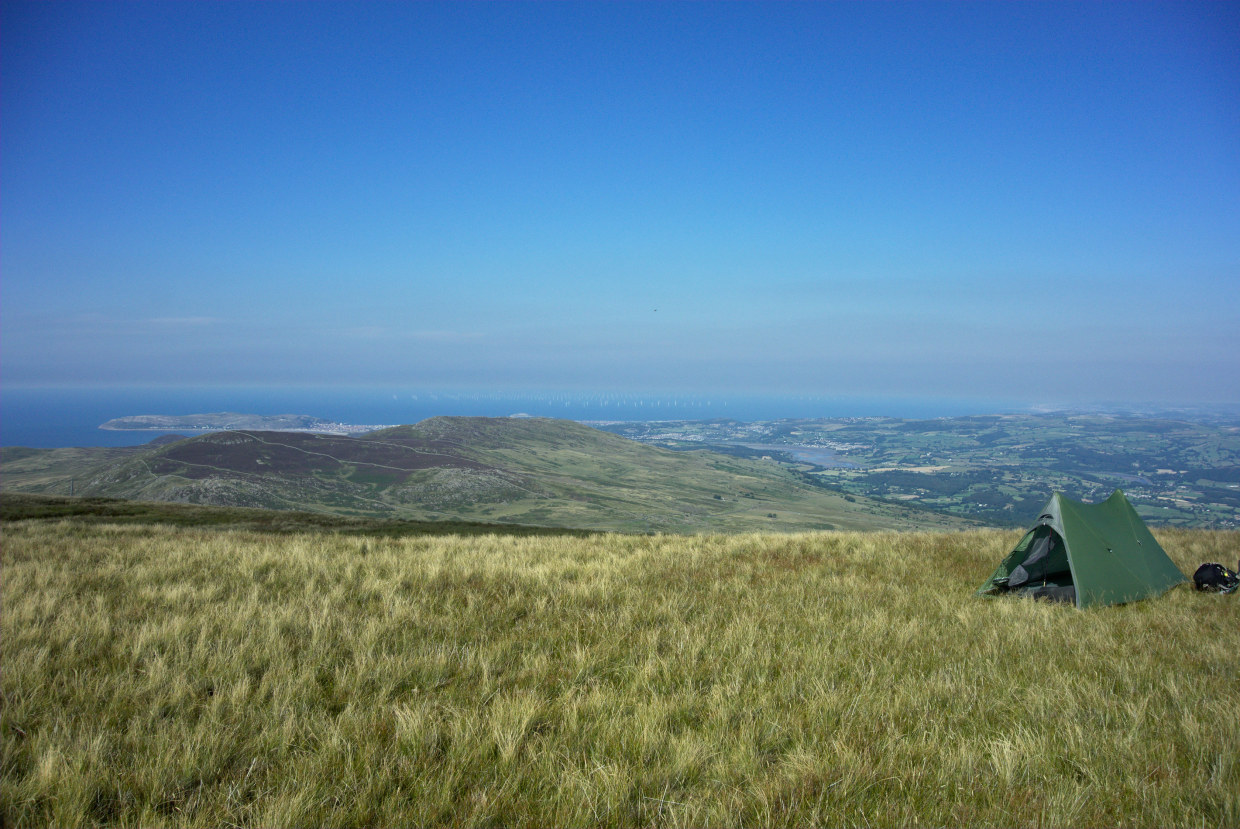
[{"x": 1087, "y": 555}]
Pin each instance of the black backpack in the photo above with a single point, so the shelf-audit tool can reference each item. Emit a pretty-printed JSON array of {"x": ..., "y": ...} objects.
[{"x": 1216, "y": 578}]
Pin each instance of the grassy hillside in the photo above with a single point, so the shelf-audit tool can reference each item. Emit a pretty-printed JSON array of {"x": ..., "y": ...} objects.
[
  {"x": 495, "y": 470},
  {"x": 95, "y": 511},
  {"x": 179, "y": 676}
]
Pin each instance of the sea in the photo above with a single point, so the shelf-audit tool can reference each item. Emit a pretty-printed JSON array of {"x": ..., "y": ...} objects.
[{"x": 44, "y": 417}]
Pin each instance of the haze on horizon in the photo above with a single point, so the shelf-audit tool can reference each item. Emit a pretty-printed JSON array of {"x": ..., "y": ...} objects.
[{"x": 1034, "y": 201}]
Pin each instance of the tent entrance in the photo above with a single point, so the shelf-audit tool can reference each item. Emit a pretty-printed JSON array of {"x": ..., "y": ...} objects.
[{"x": 1037, "y": 567}]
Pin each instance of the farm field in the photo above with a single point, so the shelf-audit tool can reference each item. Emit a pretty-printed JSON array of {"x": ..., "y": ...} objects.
[
  {"x": 191, "y": 674},
  {"x": 998, "y": 469}
]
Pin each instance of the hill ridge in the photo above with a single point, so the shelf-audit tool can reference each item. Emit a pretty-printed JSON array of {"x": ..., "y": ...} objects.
[{"x": 529, "y": 471}]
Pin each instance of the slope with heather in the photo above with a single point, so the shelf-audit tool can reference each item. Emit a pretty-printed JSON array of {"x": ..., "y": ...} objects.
[{"x": 503, "y": 470}]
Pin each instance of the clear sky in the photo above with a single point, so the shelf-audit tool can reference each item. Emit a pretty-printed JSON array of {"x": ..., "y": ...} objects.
[{"x": 956, "y": 199}]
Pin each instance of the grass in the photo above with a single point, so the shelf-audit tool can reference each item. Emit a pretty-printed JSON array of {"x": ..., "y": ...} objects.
[
  {"x": 161, "y": 675},
  {"x": 16, "y": 506}
]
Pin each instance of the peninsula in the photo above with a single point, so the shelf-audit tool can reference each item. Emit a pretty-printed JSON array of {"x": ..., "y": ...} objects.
[{"x": 226, "y": 421}]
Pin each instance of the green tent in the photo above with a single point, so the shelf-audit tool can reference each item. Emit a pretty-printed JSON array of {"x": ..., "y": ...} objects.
[{"x": 1089, "y": 554}]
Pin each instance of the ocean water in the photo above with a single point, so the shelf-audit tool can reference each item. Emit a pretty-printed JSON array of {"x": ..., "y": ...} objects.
[{"x": 50, "y": 417}]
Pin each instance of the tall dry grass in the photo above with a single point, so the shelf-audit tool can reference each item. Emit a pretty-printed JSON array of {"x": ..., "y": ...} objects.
[{"x": 159, "y": 677}]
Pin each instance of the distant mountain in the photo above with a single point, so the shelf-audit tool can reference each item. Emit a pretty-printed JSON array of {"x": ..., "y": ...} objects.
[{"x": 531, "y": 471}]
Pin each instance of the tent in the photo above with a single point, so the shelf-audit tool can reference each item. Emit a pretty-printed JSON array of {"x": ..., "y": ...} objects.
[{"x": 1092, "y": 555}]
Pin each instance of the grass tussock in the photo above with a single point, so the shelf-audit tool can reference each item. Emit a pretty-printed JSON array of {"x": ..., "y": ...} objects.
[{"x": 163, "y": 676}]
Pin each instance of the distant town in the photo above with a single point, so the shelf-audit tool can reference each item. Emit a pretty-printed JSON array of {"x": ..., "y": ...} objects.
[{"x": 999, "y": 468}]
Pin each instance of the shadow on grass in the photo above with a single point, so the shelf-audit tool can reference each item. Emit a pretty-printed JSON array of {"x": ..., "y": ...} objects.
[{"x": 15, "y": 506}]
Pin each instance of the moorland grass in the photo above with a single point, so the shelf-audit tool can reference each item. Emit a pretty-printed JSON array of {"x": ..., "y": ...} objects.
[
  {"x": 18, "y": 506},
  {"x": 170, "y": 676}
]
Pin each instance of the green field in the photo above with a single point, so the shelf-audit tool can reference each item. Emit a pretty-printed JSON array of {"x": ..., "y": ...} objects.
[
  {"x": 167, "y": 670},
  {"x": 998, "y": 469}
]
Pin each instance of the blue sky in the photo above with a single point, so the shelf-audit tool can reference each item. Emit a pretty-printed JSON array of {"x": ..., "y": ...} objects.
[{"x": 983, "y": 200}]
